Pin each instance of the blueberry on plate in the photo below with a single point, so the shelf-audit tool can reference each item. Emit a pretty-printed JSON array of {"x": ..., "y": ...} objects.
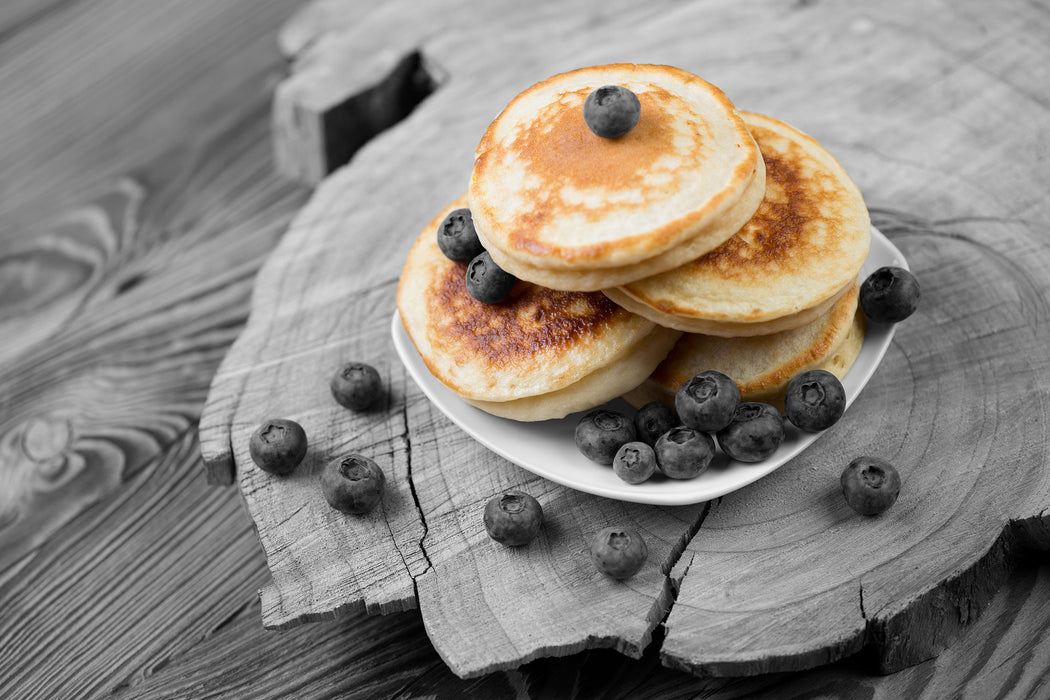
[
  {"x": 889, "y": 295},
  {"x": 353, "y": 484},
  {"x": 278, "y": 446},
  {"x": 634, "y": 462},
  {"x": 513, "y": 518},
  {"x": 356, "y": 386},
  {"x": 754, "y": 434},
  {"x": 488, "y": 282},
  {"x": 653, "y": 420},
  {"x": 684, "y": 453},
  {"x": 870, "y": 485},
  {"x": 457, "y": 238},
  {"x": 707, "y": 401},
  {"x": 601, "y": 432},
  {"x": 619, "y": 552},
  {"x": 611, "y": 111},
  {"x": 814, "y": 400}
]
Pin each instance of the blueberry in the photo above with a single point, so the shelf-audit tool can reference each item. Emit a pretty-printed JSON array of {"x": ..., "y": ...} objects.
[
  {"x": 754, "y": 434},
  {"x": 814, "y": 400},
  {"x": 634, "y": 462},
  {"x": 353, "y": 484},
  {"x": 889, "y": 295},
  {"x": 278, "y": 446},
  {"x": 707, "y": 401},
  {"x": 513, "y": 518},
  {"x": 619, "y": 552},
  {"x": 356, "y": 386},
  {"x": 611, "y": 111},
  {"x": 600, "y": 433},
  {"x": 684, "y": 453},
  {"x": 653, "y": 420},
  {"x": 488, "y": 282},
  {"x": 870, "y": 485},
  {"x": 457, "y": 238}
]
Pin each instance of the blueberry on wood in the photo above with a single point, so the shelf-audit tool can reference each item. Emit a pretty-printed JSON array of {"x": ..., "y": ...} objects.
[
  {"x": 353, "y": 484},
  {"x": 513, "y": 518},
  {"x": 619, "y": 552},
  {"x": 356, "y": 386},
  {"x": 870, "y": 485},
  {"x": 278, "y": 446}
]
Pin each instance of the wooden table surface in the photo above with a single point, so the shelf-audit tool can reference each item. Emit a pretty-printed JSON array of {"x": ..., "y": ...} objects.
[{"x": 139, "y": 199}]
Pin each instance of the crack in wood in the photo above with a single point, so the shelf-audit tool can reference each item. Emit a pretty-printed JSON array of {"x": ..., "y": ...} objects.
[{"x": 415, "y": 499}]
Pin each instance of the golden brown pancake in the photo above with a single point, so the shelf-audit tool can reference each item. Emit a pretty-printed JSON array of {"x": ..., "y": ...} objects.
[
  {"x": 548, "y": 195},
  {"x": 762, "y": 365},
  {"x": 604, "y": 278},
  {"x": 538, "y": 354},
  {"x": 803, "y": 247}
]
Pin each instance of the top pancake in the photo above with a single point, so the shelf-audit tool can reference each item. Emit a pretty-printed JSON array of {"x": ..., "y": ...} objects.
[
  {"x": 803, "y": 248},
  {"x": 535, "y": 342},
  {"x": 548, "y": 193}
]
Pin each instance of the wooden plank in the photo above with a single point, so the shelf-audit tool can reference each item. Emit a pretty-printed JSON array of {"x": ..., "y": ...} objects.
[
  {"x": 126, "y": 257},
  {"x": 178, "y": 81}
]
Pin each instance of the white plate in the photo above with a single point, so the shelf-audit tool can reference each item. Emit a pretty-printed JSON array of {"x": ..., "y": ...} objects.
[{"x": 548, "y": 448}]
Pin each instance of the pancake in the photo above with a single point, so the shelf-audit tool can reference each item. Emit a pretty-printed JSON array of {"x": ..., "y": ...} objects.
[
  {"x": 536, "y": 355},
  {"x": 803, "y": 247},
  {"x": 604, "y": 278},
  {"x": 763, "y": 365},
  {"x": 548, "y": 194}
]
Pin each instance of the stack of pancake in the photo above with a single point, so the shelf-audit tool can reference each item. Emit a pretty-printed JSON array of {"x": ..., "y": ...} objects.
[{"x": 704, "y": 238}]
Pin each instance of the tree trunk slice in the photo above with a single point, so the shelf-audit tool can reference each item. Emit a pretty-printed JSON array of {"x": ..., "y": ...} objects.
[{"x": 780, "y": 575}]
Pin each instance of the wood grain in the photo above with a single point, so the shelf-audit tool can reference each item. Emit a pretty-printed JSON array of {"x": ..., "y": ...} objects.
[
  {"x": 783, "y": 576},
  {"x": 113, "y": 329}
]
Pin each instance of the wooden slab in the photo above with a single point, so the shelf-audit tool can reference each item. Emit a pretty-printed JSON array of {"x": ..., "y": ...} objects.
[{"x": 781, "y": 575}]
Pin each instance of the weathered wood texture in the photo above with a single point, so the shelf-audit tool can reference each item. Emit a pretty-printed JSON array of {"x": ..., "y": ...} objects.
[
  {"x": 139, "y": 199},
  {"x": 782, "y": 575}
]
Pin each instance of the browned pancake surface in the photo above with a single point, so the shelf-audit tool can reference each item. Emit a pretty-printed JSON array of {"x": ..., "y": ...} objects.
[{"x": 532, "y": 322}]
